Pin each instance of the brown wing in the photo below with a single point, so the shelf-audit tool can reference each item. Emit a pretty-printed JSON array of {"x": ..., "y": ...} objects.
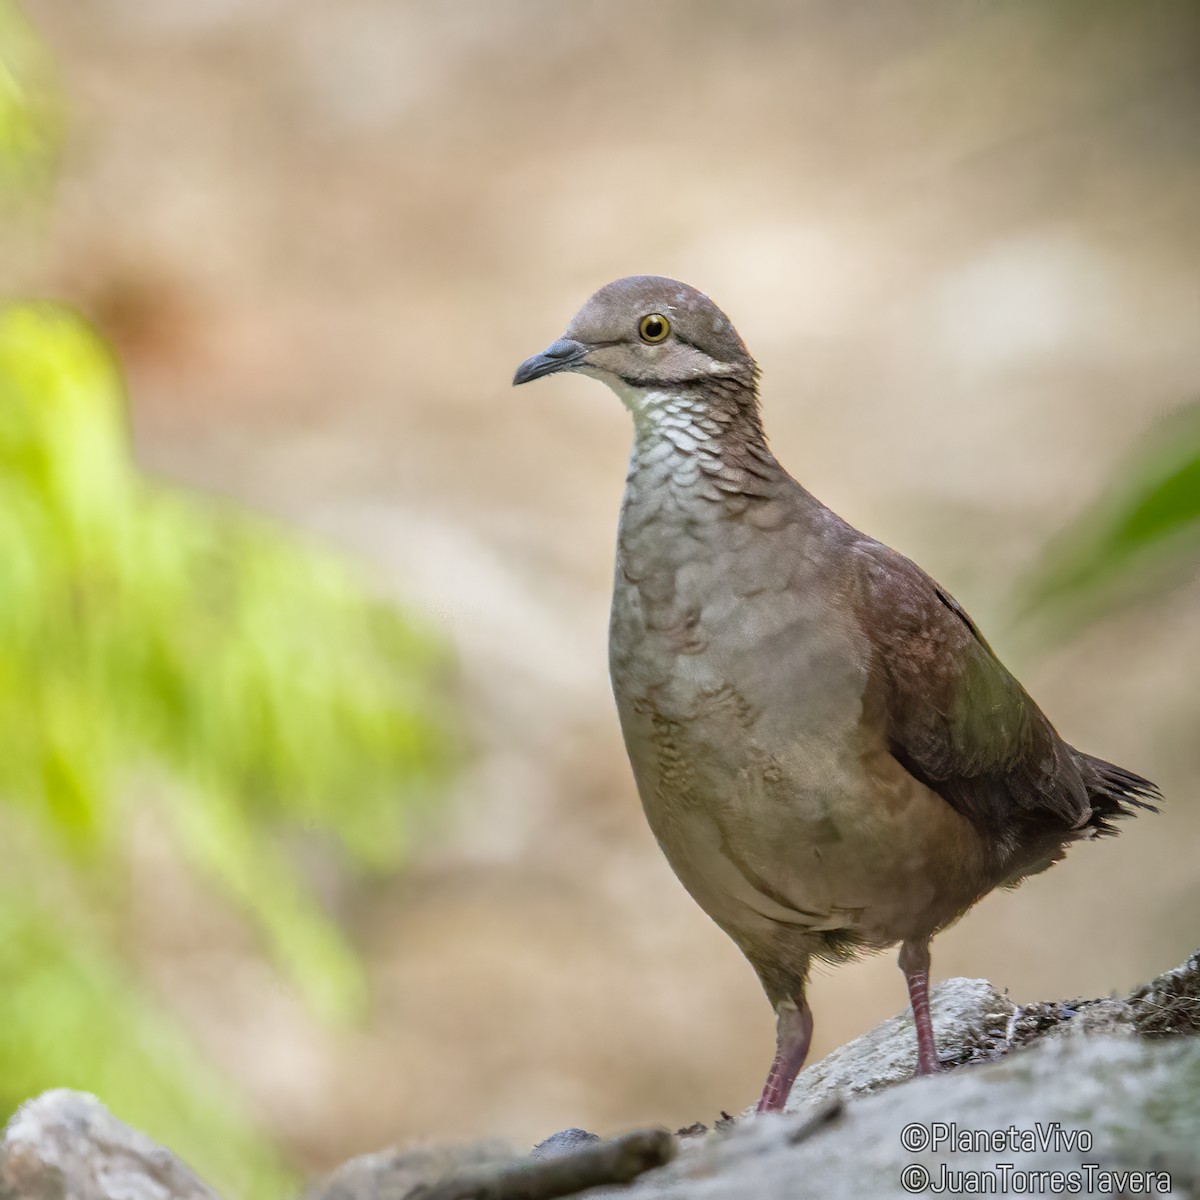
[{"x": 953, "y": 715}]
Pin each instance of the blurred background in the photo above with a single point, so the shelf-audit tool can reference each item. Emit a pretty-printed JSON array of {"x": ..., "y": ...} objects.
[{"x": 319, "y": 829}]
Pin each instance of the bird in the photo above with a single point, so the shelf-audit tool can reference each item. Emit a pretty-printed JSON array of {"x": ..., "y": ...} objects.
[{"x": 831, "y": 757}]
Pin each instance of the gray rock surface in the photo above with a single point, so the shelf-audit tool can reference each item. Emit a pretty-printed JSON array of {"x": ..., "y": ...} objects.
[
  {"x": 1067, "y": 1086},
  {"x": 1170, "y": 1004},
  {"x": 575, "y": 1163},
  {"x": 1137, "y": 1103},
  {"x": 971, "y": 1021},
  {"x": 395, "y": 1174},
  {"x": 67, "y": 1146},
  {"x": 566, "y": 1141},
  {"x": 974, "y": 1023}
]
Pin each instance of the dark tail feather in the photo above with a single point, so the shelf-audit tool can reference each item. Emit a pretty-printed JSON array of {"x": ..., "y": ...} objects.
[{"x": 1114, "y": 792}]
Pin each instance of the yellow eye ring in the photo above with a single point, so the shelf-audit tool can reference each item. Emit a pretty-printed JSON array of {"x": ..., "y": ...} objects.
[{"x": 654, "y": 328}]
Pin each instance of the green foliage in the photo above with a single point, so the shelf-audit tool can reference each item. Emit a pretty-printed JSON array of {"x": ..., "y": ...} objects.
[
  {"x": 1143, "y": 533},
  {"x": 145, "y": 630},
  {"x": 28, "y": 116},
  {"x": 165, "y": 653}
]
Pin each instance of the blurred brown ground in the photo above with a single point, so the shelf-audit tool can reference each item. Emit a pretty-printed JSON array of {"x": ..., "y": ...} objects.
[{"x": 962, "y": 239}]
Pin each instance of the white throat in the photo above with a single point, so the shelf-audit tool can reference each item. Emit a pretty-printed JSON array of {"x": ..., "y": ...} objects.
[
  {"x": 676, "y": 441},
  {"x": 681, "y": 419}
]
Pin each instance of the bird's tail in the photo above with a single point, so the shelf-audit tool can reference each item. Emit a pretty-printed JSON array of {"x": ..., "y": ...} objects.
[{"x": 1114, "y": 792}]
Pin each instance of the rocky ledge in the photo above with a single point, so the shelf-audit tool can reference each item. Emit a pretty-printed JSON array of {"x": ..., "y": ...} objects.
[{"x": 1098, "y": 1097}]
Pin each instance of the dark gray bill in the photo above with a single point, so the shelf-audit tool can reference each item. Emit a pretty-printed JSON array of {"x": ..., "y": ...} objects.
[{"x": 560, "y": 356}]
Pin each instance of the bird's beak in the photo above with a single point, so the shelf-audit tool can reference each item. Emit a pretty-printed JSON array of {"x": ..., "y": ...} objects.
[{"x": 560, "y": 356}]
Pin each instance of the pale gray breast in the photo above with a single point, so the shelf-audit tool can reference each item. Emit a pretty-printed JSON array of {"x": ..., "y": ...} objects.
[
  {"x": 707, "y": 604},
  {"x": 739, "y": 686}
]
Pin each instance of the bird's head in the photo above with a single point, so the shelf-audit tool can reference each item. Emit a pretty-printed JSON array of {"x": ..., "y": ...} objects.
[{"x": 647, "y": 336}]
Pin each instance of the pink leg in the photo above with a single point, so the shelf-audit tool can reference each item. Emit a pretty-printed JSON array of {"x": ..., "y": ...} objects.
[
  {"x": 914, "y": 962},
  {"x": 793, "y": 1032}
]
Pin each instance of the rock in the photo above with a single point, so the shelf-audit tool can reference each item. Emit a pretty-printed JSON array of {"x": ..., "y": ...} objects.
[
  {"x": 1170, "y": 1004},
  {"x": 971, "y": 1021},
  {"x": 394, "y": 1174},
  {"x": 67, "y": 1146},
  {"x": 1121, "y": 1104},
  {"x": 974, "y": 1023},
  {"x": 1112, "y": 1016},
  {"x": 565, "y": 1164},
  {"x": 1067, "y": 1086},
  {"x": 561, "y": 1143}
]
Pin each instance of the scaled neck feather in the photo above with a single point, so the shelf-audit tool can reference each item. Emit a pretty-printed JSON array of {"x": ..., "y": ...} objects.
[
  {"x": 699, "y": 444},
  {"x": 713, "y": 415}
]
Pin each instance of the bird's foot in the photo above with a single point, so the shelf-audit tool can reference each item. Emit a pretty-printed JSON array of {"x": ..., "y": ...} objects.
[{"x": 930, "y": 1068}]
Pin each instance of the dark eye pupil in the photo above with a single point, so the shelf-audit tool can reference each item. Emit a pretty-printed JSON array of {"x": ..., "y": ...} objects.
[{"x": 654, "y": 327}]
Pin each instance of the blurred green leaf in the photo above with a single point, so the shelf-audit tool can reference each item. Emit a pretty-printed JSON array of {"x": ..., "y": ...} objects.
[
  {"x": 28, "y": 107},
  {"x": 1143, "y": 533},
  {"x": 150, "y": 634},
  {"x": 145, "y": 625}
]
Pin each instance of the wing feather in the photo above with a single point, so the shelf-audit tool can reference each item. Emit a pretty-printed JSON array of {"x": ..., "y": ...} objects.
[{"x": 953, "y": 715}]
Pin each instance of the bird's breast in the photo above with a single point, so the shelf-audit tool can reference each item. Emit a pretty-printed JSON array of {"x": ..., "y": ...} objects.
[{"x": 739, "y": 681}]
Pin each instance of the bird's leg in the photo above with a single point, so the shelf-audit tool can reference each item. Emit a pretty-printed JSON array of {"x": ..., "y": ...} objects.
[
  {"x": 793, "y": 1032},
  {"x": 914, "y": 962}
]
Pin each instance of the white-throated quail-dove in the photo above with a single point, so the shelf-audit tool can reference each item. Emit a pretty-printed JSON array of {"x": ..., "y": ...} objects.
[{"x": 830, "y": 755}]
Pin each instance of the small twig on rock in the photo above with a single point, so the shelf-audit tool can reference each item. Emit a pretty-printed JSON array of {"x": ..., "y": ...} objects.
[
  {"x": 821, "y": 1119},
  {"x": 618, "y": 1161}
]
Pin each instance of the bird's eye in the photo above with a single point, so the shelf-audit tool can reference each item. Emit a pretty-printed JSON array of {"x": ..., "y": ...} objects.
[{"x": 653, "y": 328}]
